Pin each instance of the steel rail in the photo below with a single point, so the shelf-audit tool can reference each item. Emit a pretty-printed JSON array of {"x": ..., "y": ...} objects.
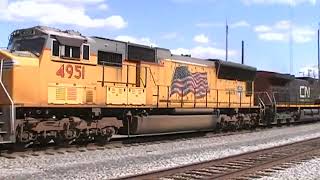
[{"x": 237, "y": 165}]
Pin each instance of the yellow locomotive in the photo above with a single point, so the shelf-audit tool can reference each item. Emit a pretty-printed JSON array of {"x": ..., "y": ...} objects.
[{"x": 63, "y": 86}]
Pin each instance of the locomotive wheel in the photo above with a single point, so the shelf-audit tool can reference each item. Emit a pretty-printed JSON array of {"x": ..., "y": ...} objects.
[
  {"x": 61, "y": 141},
  {"x": 106, "y": 135},
  {"x": 66, "y": 137},
  {"x": 288, "y": 121},
  {"x": 252, "y": 124},
  {"x": 43, "y": 140},
  {"x": 19, "y": 146},
  {"x": 239, "y": 125},
  {"x": 25, "y": 137}
]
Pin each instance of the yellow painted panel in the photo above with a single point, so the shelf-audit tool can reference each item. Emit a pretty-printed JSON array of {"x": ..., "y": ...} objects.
[
  {"x": 90, "y": 97},
  {"x": 75, "y": 95},
  {"x": 56, "y": 95},
  {"x": 137, "y": 96},
  {"x": 65, "y": 94},
  {"x": 116, "y": 95}
]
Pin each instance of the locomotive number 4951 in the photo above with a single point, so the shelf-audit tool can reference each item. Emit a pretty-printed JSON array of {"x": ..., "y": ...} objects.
[{"x": 69, "y": 71}]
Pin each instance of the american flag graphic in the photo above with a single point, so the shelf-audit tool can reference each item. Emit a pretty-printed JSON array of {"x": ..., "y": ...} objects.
[{"x": 185, "y": 82}]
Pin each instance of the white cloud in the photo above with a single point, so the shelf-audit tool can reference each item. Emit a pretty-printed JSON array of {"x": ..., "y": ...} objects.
[
  {"x": 191, "y": 1},
  {"x": 209, "y": 24},
  {"x": 283, "y": 25},
  {"x": 182, "y": 1},
  {"x": 238, "y": 24},
  {"x": 70, "y": 1},
  {"x": 204, "y": 52},
  {"x": 241, "y": 23},
  {"x": 3, "y": 4},
  {"x": 142, "y": 40},
  {"x": 103, "y": 7},
  {"x": 303, "y": 34},
  {"x": 170, "y": 35},
  {"x": 50, "y": 12},
  {"x": 262, "y": 28},
  {"x": 283, "y": 30},
  {"x": 280, "y": 2},
  {"x": 272, "y": 36},
  {"x": 201, "y": 38}
]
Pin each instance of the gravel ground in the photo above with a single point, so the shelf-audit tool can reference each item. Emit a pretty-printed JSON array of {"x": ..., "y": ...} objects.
[
  {"x": 112, "y": 163},
  {"x": 307, "y": 171}
]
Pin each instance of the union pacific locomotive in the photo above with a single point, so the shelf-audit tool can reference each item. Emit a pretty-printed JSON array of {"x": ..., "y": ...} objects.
[{"x": 62, "y": 86}]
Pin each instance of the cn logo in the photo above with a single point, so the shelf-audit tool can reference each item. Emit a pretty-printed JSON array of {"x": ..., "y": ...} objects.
[{"x": 305, "y": 92}]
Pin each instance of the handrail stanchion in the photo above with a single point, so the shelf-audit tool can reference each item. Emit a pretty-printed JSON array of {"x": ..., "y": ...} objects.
[
  {"x": 251, "y": 99},
  {"x": 168, "y": 96},
  {"x": 229, "y": 98},
  {"x": 127, "y": 75},
  {"x": 206, "y": 98},
  {"x": 194, "y": 98},
  {"x": 217, "y": 98},
  {"x": 158, "y": 95},
  {"x": 182, "y": 98},
  {"x": 102, "y": 83},
  {"x": 240, "y": 97}
]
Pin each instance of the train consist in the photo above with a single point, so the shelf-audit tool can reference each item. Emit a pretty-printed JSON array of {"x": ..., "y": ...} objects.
[{"x": 63, "y": 86}]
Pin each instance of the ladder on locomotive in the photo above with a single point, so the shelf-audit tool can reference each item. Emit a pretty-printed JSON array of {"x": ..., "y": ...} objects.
[
  {"x": 2, "y": 127},
  {"x": 268, "y": 107},
  {"x": 7, "y": 114}
]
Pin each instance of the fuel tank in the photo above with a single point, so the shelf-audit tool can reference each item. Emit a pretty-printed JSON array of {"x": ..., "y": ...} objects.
[
  {"x": 310, "y": 115},
  {"x": 169, "y": 123}
]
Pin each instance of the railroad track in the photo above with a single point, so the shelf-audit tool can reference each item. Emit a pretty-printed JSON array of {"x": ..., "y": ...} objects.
[
  {"x": 114, "y": 144},
  {"x": 251, "y": 165}
]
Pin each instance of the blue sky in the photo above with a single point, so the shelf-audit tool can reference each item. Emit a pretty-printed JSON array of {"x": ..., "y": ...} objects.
[{"x": 195, "y": 27}]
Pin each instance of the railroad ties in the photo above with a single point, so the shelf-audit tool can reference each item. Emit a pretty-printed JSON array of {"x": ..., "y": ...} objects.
[
  {"x": 251, "y": 165},
  {"x": 115, "y": 144}
]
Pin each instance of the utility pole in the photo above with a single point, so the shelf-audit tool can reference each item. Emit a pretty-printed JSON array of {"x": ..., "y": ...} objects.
[
  {"x": 227, "y": 34},
  {"x": 242, "y": 50},
  {"x": 291, "y": 41},
  {"x": 319, "y": 53}
]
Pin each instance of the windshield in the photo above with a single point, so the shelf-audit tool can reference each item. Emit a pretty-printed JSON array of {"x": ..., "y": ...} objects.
[{"x": 34, "y": 45}]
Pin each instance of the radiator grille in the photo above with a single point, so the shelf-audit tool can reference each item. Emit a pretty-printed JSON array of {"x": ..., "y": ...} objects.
[
  {"x": 72, "y": 94},
  {"x": 60, "y": 93},
  {"x": 89, "y": 96}
]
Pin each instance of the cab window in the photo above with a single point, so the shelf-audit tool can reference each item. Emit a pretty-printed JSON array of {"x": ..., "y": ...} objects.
[
  {"x": 32, "y": 45},
  {"x": 55, "y": 48},
  {"x": 72, "y": 52},
  {"x": 109, "y": 59},
  {"x": 86, "y": 52}
]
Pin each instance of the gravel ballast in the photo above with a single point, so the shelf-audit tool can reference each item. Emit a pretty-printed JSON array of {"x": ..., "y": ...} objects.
[{"x": 113, "y": 163}]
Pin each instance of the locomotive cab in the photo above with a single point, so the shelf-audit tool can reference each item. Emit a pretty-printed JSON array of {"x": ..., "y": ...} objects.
[
  {"x": 21, "y": 63},
  {"x": 19, "y": 68}
]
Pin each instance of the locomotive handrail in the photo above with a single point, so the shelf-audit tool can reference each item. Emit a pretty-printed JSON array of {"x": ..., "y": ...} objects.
[
  {"x": 206, "y": 101},
  {"x": 12, "y": 116},
  {"x": 269, "y": 97},
  {"x": 274, "y": 99},
  {"x": 154, "y": 81},
  {"x": 262, "y": 103},
  {"x": 275, "y": 103},
  {"x": 144, "y": 85}
]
